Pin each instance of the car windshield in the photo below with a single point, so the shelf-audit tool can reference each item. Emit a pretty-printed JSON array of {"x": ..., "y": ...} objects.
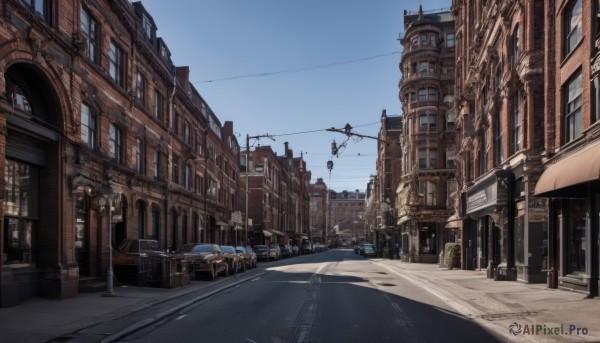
[
  {"x": 261, "y": 248},
  {"x": 369, "y": 246},
  {"x": 240, "y": 249},
  {"x": 228, "y": 249},
  {"x": 196, "y": 248}
]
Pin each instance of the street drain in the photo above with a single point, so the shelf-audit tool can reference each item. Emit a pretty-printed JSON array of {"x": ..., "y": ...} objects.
[
  {"x": 509, "y": 315},
  {"x": 386, "y": 284}
]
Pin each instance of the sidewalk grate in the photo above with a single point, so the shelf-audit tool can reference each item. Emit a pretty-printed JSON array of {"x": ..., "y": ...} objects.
[{"x": 508, "y": 315}]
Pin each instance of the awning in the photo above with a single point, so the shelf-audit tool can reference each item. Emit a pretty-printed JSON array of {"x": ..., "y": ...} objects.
[
  {"x": 454, "y": 222},
  {"x": 304, "y": 237},
  {"x": 267, "y": 233},
  {"x": 563, "y": 177},
  {"x": 403, "y": 220},
  {"x": 277, "y": 232}
]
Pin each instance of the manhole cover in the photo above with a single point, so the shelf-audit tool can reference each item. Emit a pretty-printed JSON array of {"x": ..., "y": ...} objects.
[{"x": 509, "y": 315}]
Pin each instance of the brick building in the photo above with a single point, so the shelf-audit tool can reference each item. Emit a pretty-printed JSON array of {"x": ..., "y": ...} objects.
[
  {"x": 569, "y": 185},
  {"x": 348, "y": 218},
  {"x": 428, "y": 143},
  {"x": 278, "y": 196},
  {"x": 92, "y": 104}
]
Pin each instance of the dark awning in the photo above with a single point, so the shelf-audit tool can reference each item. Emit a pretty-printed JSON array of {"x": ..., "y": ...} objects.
[{"x": 565, "y": 177}]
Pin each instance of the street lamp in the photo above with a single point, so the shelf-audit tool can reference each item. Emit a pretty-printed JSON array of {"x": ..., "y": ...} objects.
[{"x": 108, "y": 197}]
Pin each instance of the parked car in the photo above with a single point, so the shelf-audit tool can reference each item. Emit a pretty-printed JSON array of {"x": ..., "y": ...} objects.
[
  {"x": 131, "y": 253},
  {"x": 248, "y": 254},
  {"x": 307, "y": 248},
  {"x": 275, "y": 251},
  {"x": 358, "y": 248},
  {"x": 265, "y": 253},
  {"x": 295, "y": 250},
  {"x": 368, "y": 250},
  {"x": 234, "y": 260},
  {"x": 286, "y": 250},
  {"x": 262, "y": 252},
  {"x": 205, "y": 258}
]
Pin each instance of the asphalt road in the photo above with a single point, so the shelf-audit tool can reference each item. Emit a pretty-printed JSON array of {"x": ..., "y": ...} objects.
[{"x": 332, "y": 296}]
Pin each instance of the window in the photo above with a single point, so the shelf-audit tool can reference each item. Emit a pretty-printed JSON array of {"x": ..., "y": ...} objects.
[
  {"x": 175, "y": 123},
  {"x": 175, "y": 176},
  {"x": 498, "y": 141},
  {"x": 572, "y": 27},
  {"x": 423, "y": 68},
  {"x": 515, "y": 44},
  {"x": 141, "y": 220},
  {"x": 516, "y": 122},
  {"x": 159, "y": 102},
  {"x": 483, "y": 156},
  {"x": 423, "y": 39},
  {"x": 116, "y": 64},
  {"x": 187, "y": 174},
  {"x": 140, "y": 156},
  {"x": 140, "y": 88},
  {"x": 427, "y": 123},
  {"x": 147, "y": 26},
  {"x": 89, "y": 30},
  {"x": 427, "y": 158},
  {"x": 451, "y": 159},
  {"x": 432, "y": 94},
  {"x": 115, "y": 143},
  {"x": 450, "y": 40},
  {"x": 20, "y": 213},
  {"x": 155, "y": 222},
  {"x": 88, "y": 127},
  {"x": 572, "y": 110},
  {"x": 413, "y": 97},
  {"x": 42, "y": 8},
  {"x": 427, "y": 193},
  {"x": 157, "y": 161},
  {"x": 186, "y": 133},
  {"x": 433, "y": 39},
  {"x": 422, "y": 94}
]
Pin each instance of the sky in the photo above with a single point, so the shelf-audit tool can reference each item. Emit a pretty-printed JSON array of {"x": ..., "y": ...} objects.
[{"x": 292, "y": 69}]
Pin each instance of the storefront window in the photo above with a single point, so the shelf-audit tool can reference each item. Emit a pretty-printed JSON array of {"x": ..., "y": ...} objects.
[
  {"x": 21, "y": 211},
  {"x": 427, "y": 241},
  {"x": 576, "y": 238},
  {"x": 519, "y": 240}
]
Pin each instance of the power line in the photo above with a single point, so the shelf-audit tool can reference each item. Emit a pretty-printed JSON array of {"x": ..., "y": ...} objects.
[{"x": 323, "y": 66}]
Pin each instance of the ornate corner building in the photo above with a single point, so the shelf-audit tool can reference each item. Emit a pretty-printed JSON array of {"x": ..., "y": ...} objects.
[{"x": 428, "y": 141}]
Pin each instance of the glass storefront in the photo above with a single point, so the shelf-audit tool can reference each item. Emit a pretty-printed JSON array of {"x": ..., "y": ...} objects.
[
  {"x": 20, "y": 213},
  {"x": 576, "y": 237}
]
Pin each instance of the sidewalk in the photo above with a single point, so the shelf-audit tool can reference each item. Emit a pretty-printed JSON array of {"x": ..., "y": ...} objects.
[
  {"x": 534, "y": 312},
  {"x": 46, "y": 320}
]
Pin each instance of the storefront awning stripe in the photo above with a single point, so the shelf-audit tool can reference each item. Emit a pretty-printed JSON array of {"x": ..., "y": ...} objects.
[{"x": 581, "y": 167}]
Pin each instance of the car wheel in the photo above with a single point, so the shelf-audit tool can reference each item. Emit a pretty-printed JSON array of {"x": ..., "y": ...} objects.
[
  {"x": 212, "y": 274},
  {"x": 226, "y": 271},
  {"x": 233, "y": 268},
  {"x": 243, "y": 268}
]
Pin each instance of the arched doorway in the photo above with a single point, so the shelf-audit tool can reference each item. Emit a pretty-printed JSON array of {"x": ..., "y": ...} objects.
[{"x": 32, "y": 202}]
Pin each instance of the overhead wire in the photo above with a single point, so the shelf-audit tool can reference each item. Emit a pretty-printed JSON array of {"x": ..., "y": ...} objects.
[{"x": 297, "y": 70}]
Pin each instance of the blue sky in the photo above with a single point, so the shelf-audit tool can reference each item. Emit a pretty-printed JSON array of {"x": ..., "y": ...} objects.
[{"x": 347, "y": 54}]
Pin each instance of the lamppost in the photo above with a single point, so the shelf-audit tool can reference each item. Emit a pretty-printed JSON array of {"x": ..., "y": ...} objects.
[{"x": 108, "y": 197}]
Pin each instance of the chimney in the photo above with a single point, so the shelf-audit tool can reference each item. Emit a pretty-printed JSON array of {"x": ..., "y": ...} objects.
[{"x": 183, "y": 75}]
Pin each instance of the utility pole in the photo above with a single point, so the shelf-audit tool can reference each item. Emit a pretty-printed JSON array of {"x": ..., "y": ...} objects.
[{"x": 248, "y": 137}]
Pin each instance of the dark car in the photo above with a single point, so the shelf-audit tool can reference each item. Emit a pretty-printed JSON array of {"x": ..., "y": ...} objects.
[
  {"x": 358, "y": 248},
  {"x": 205, "y": 258},
  {"x": 307, "y": 248},
  {"x": 248, "y": 254},
  {"x": 265, "y": 253},
  {"x": 286, "y": 250},
  {"x": 234, "y": 260},
  {"x": 368, "y": 250},
  {"x": 136, "y": 255}
]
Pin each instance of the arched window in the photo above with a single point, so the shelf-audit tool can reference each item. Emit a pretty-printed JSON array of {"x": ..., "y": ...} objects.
[
  {"x": 141, "y": 219},
  {"x": 156, "y": 222}
]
